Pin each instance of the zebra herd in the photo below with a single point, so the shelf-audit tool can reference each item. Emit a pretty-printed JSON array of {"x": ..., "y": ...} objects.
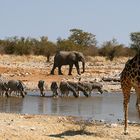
[
  {"x": 17, "y": 87},
  {"x": 75, "y": 87}
]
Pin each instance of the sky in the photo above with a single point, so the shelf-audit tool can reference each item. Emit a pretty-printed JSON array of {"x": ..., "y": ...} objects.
[{"x": 107, "y": 19}]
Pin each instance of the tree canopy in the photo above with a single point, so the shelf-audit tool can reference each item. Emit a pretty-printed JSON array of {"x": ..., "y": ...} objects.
[{"x": 84, "y": 39}]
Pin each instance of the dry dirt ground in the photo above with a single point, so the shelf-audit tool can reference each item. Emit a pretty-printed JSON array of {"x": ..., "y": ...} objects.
[
  {"x": 30, "y": 70},
  {"x": 46, "y": 127}
]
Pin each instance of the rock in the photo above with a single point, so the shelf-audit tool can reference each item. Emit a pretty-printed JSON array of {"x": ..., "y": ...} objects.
[
  {"x": 112, "y": 125},
  {"x": 12, "y": 75},
  {"x": 32, "y": 128},
  {"x": 110, "y": 79}
]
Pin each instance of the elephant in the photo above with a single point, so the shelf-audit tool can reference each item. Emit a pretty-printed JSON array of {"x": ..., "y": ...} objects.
[{"x": 68, "y": 58}]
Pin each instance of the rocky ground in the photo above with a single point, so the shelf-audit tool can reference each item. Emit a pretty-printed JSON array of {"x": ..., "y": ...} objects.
[{"x": 30, "y": 70}]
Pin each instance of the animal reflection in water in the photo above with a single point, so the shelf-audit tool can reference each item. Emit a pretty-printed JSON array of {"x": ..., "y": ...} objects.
[{"x": 67, "y": 106}]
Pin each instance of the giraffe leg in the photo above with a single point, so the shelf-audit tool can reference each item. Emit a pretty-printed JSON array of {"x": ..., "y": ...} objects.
[
  {"x": 126, "y": 94},
  {"x": 138, "y": 99},
  {"x": 138, "y": 106}
]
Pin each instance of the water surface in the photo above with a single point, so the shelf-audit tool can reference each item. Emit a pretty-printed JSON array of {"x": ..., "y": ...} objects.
[{"x": 108, "y": 107}]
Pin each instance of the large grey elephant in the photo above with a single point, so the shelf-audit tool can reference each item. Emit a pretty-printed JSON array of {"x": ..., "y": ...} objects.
[{"x": 68, "y": 58}]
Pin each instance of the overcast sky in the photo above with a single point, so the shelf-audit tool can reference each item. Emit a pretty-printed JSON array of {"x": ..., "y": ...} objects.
[{"x": 107, "y": 19}]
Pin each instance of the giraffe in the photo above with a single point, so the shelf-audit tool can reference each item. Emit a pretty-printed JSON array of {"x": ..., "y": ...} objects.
[{"x": 130, "y": 77}]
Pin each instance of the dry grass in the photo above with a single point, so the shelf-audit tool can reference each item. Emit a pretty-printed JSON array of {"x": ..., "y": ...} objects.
[
  {"x": 102, "y": 59},
  {"x": 33, "y": 58},
  {"x": 24, "y": 58}
]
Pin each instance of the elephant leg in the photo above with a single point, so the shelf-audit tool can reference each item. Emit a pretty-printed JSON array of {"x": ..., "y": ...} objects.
[
  {"x": 52, "y": 71},
  {"x": 59, "y": 70},
  {"x": 70, "y": 69},
  {"x": 77, "y": 68}
]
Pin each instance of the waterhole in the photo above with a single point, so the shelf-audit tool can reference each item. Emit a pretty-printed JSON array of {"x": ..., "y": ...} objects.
[{"x": 107, "y": 106}]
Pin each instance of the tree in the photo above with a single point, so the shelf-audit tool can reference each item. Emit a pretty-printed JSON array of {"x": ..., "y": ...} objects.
[
  {"x": 47, "y": 48},
  {"x": 135, "y": 38},
  {"x": 9, "y": 45},
  {"x": 111, "y": 49},
  {"x": 23, "y": 46},
  {"x": 66, "y": 45},
  {"x": 81, "y": 38}
]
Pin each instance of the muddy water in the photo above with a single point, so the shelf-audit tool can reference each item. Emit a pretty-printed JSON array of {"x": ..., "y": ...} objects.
[{"x": 108, "y": 107}]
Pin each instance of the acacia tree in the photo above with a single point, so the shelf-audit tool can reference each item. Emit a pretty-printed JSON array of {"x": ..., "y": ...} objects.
[
  {"x": 78, "y": 41},
  {"x": 84, "y": 39},
  {"x": 66, "y": 45}
]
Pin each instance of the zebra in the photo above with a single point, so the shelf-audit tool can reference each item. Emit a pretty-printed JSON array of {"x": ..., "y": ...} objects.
[
  {"x": 41, "y": 86},
  {"x": 65, "y": 87},
  {"x": 54, "y": 88},
  {"x": 78, "y": 87},
  {"x": 16, "y": 86}
]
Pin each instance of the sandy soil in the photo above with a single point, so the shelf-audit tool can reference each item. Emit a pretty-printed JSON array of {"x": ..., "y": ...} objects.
[
  {"x": 30, "y": 70},
  {"x": 44, "y": 127}
]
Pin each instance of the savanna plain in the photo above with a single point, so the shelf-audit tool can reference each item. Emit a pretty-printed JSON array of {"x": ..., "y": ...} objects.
[{"x": 31, "y": 69}]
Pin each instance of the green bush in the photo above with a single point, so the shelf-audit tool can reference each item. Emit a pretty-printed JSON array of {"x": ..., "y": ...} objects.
[
  {"x": 77, "y": 41},
  {"x": 112, "y": 49}
]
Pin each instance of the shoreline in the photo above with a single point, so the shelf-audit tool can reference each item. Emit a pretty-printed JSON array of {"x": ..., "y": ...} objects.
[{"x": 16, "y": 126}]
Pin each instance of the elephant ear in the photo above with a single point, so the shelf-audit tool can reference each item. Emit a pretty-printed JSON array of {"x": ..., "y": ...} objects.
[
  {"x": 79, "y": 55},
  {"x": 76, "y": 54}
]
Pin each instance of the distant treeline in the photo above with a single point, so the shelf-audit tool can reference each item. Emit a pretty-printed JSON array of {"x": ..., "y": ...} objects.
[{"x": 77, "y": 41}]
